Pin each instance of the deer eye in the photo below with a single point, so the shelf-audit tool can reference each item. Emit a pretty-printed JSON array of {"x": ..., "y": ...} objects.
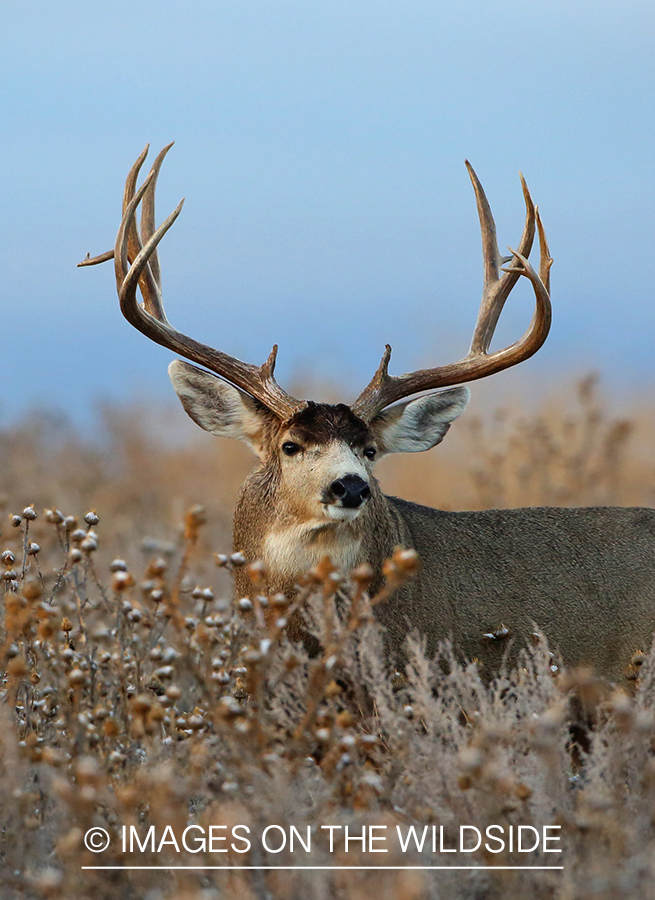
[
  {"x": 370, "y": 452},
  {"x": 290, "y": 449}
]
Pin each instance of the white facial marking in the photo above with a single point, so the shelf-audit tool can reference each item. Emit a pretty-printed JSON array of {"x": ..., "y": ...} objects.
[{"x": 342, "y": 460}]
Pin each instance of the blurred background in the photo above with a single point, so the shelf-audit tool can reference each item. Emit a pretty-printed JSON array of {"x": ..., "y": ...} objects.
[{"x": 320, "y": 148}]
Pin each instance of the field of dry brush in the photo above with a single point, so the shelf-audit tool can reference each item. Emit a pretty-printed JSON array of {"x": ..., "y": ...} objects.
[{"x": 137, "y": 694}]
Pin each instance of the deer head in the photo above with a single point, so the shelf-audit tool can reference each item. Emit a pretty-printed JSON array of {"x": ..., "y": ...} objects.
[{"x": 317, "y": 459}]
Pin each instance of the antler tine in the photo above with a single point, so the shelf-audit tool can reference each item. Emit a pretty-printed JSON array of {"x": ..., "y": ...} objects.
[
  {"x": 546, "y": 260},
  {"x": 148, "y": 221},
  {"x": 496, "y": 288},
  {"x": 134, "y": 245},
  {"x": 385, "y": 389},
  {"x": 134, "y": 268},
  {"x": 127, "y": 241},
  {"x": 150, "y": 282}
]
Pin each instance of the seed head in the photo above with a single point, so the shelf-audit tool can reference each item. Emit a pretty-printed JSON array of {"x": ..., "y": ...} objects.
[
  {"x": 193, "y": 522},
  {"x": 362, "y": 575},
  {"x": 32, "y": 589},
  {"x": 121, "y": 581},
  {"x": 157, "y": 567},
  {"x": 76, "y": 678},
  {"x": 164, "y": 673},
  {"x": 229, "y": 707},
  {"x": 141, "y": 704},
  {"x": 322, "y": 570},
  {"x": 256, "y": 572}
]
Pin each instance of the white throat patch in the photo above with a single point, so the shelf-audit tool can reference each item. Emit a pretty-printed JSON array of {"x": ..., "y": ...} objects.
[{"x": 290, "y": 551}]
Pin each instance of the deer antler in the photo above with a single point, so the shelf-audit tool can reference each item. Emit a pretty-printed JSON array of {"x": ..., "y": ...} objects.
[
  {"x": 385, "y": 389},
  {"x": 136, "y": 263}
]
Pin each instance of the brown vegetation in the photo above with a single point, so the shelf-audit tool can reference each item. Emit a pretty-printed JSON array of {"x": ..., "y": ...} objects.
[{"x": 137, "y": 693}]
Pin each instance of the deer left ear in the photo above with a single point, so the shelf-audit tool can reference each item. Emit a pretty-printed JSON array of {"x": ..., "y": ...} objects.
[{"x": 418, "y": 424}]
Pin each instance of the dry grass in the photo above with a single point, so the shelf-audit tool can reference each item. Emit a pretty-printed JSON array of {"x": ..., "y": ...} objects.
[{"x": 137, "y": 693}]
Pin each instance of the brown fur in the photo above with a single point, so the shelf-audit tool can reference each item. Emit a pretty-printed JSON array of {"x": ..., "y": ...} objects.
[{"x": 322, "y": 423}]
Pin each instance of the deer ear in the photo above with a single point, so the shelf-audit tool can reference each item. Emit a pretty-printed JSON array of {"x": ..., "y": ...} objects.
[
  {"x": 217, "y": 406},
  {"x": 419, "y": 424}
]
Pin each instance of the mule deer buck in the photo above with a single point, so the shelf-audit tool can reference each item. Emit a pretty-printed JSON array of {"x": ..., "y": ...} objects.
[{"x": 586, "y": 576}]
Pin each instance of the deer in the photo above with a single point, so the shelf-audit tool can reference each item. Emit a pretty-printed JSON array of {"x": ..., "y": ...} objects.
[{"x": 584, "y": 576}]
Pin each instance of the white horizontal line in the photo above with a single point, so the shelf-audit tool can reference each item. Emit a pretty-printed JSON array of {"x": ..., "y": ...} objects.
[{"x": 327, "y": 868}]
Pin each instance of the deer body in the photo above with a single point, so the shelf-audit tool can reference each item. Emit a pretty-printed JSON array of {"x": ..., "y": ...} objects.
[{"x": 585, "y": 576}]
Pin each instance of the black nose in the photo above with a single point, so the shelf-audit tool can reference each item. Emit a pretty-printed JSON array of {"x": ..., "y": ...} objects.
[{"x": 351, "y": 490}]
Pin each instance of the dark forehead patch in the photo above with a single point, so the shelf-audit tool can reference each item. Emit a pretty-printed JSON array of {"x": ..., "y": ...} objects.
[{"x": 320, "y": 423}]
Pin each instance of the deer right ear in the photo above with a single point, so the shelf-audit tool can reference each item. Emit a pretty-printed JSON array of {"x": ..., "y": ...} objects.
[
  {"x": 217, "y": 406},
  {"x": 419, "y": 424}
]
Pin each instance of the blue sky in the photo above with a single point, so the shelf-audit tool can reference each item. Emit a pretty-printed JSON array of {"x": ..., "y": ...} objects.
[{"x": 320, "y": 147}]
